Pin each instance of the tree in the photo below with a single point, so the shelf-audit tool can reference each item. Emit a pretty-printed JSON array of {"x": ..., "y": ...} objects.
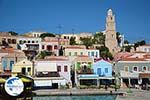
[
  {"x": 104, "y": 53},
  {"x": 126, "y": 42},
  {"x": 118, "y": 37},
  {"x": 87, "y": 41},
  {"x": 43, "y": 54},
  {"x": 139, "y": 43},
  {"x": 99, "y": 38},
  {"x": 13, "y": 33},
  {"x": 127, "y": 48},
  {"x": 47, "y": 35},
  {"x": 72, "y": 41}
]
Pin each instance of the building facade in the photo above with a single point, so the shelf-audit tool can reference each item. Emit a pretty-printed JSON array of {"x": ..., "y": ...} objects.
[
  {"x": 103, "y": 68},
  {"x": 24, "y": 67},
  {"x": 133, "y": 71},
  {"x": 54, "y": 66},
  {"x": 143, "y": 48}
]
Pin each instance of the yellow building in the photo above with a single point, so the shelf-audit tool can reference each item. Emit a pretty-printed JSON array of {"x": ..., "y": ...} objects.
[{"x": 23, "y": 67}]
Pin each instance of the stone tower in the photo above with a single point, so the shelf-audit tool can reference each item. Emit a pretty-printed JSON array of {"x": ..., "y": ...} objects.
[{"x": 110, "y": 34}]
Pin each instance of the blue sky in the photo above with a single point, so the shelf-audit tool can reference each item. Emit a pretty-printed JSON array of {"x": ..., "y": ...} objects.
[{"x": 132, "y": 16}]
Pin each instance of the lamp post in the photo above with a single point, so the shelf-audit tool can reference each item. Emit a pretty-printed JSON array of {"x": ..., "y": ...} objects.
[{"x": 115, "y": 76}]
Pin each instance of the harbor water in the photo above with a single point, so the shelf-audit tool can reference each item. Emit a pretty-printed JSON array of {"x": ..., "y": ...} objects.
[{"x": 94, "y": 97}]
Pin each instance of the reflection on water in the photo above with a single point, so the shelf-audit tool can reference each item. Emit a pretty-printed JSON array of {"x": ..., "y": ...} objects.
[
  {"x": 23, "y": 96},
  {"x": 31, "y": 96},
  {"x": 104, "y": 97}
]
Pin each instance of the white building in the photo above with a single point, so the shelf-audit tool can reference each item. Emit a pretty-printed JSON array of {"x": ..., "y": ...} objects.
[
  {"x": 81, "y": 50},
  {"x": 77, "y": 36},
  {"x": 144, "y": 48},
  {"x": 56, "y": 68}
]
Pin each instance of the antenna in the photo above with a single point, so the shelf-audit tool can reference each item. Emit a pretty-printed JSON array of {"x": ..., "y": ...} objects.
[{"x": 59, "y": 28}]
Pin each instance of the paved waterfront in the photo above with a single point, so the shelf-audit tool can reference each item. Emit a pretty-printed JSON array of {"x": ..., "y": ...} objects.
[
  {"x": 134, "y": 95},
  {"x": 75, "y": 92}
]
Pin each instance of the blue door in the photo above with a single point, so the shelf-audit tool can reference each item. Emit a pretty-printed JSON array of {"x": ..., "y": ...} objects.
[
  {"x": 11, "y": 63},
  {"x": 4, "y": 64},
  {"x": 99, "y": 71}
]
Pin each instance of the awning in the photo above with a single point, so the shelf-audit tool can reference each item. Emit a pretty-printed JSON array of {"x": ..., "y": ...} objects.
[
  {"x": 144, "y": 75},
  {"x": 106, "y": 78},
  {"x": 88, "y": 76},
  {"x": 25, "y": 79},
  {"x": 2, "y": 80}
]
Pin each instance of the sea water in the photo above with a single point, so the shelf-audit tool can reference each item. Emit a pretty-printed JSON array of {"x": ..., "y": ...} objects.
[{"x": 96, "y": 97}]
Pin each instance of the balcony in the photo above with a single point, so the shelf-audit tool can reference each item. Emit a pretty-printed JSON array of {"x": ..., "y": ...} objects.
[{"x": 125, "y": 74}]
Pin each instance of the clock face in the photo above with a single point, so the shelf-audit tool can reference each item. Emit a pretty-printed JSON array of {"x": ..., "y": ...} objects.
[{"x": 14, "y": 86}]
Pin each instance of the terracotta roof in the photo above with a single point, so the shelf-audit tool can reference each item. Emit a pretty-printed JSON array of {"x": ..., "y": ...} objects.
[
  {"x": 4, "y": 34},
  {"x": 92, "y": 49},
  {"x": 83, "y": 58},
  {"x": 75, "y": 48},
  {"x": 55, "y": 58},
  {"x": 133, "y": 59},
  {"x": 7, "y": 50}
]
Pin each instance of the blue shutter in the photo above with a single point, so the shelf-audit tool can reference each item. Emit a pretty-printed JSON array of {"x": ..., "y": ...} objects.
[
  {"x": 4, "y": 64},
  {"x": 106, "y": 70},
  {"x": 11, "y": 63},
  {"x": 99, "y": 71}
]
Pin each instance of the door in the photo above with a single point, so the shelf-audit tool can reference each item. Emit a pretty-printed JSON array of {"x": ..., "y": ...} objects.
[
  {"x": 23, "y": 71},
  {"x": 99, "y": 71}
]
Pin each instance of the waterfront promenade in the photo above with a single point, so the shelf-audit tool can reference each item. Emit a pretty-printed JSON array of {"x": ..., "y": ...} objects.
[
  {"x": 122, "y": 94},
  {"x": 136, "y": 94}
]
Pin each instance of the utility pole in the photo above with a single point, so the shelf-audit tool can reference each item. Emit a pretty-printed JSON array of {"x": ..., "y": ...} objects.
[{"x": 59, "y": 28}]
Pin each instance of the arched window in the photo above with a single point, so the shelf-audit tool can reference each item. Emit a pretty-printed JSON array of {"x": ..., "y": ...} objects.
[
  {"x": 20, "y": 42},
  {"x": 135, "y": 69},
  {"x": 144, "y": 68}
]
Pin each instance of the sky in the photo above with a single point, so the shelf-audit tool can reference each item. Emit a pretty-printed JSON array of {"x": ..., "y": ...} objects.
[{"x": 21, "y": 16}]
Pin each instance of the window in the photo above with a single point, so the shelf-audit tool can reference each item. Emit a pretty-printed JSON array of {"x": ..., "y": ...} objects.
[
  {"x": 20, "y": 42},
  {"x": 145, "y": 49},
  {"x": 92, "y": 54},
  {"x": 75, "y": 53},
  {"x": 81, "y": 53},
  {"x": 24, "y": 41},
  {"x": 88, "y": 53},
  {"x": 144, "y": 68},
  {"x": 11, "y": 64},
  {"x": 64, "y": 37},
  {"x": 33, "y": 42},
  {"x": 99, "y": 71},
  {"x": 69, "y": 53},
  {"x": 58, "y": 68},
  {"x": 65, "y": 68},
  {"x": 126, "y": 68},
  {"x": 112, "y": 35},
  {"x": 13, "y": 41},
  {"x": 96, "y": 54},
  {"x": 34, "y": 35},
  {"x": 29, "y": 69},
  {"x": 23, "y": 71},
  {"x": 43, "y": 47},
  {"x": 4, "y": 65},
  {"x": 28, "y": 41},
  {"x": 135, "y": 69},
  {"x": 111, "y": 18},
  {"x": 55, "y": 47},
  {"x": 9, "y": 41},
  {"x": 106, "y": 70}
]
